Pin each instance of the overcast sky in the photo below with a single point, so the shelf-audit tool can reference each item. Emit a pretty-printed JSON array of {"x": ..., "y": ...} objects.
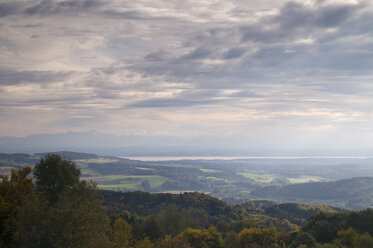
[{"x": 268, "y": 73}]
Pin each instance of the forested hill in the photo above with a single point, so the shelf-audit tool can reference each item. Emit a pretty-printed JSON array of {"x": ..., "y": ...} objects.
[
  {"x": 354, "y": 193},
  {"x": 209, "y": 210}
]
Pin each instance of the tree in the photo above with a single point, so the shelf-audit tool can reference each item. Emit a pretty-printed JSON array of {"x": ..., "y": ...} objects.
[
  {"x": 232, "y": 241},
  {"x": 122, "y": 234},
  {"x": 171, "y": 221},
  {"x": 304, "y": 238},
  {"x": 210, "y": 238},
  {"x": 261, "y": 237},
  {"x": 346, "y": 237},
  {"x": 63, "y": 214},
  {"x": 174, "y": 242},
  {"x": 14, "y": 192},
  {"x": 363, "y": 241},
  {"x": 144, "y": 243},
  {"x": 53, "y": 175}
]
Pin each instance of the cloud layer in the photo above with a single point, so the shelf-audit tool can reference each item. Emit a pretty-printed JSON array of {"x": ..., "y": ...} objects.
[{"x": 282, "y": 74}]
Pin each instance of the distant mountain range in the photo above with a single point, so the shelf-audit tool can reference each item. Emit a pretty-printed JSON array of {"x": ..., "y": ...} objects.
[
  {"x": 103, "y": 144},
  {"x": 155, "y": 145}
]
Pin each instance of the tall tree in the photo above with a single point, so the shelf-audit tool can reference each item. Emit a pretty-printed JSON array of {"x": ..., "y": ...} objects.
[
  {"x": 14, "y": 192},
  {"x": 63, "y": 214},
  {"x": 53, "y": 174}
]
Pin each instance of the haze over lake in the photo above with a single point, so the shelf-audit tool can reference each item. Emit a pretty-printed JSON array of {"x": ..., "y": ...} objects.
[{"x": 175, "y": 158}]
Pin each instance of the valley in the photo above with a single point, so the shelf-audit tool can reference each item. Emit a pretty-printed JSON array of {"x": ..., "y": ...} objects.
[{"x": 231, "y": 180}]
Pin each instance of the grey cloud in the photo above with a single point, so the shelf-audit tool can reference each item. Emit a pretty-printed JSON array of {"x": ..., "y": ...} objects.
[
  {"x": 37, "y": 77},
  {"x": 169, "y": 103},
  {"x": 159, "y": 55},
  {"x": 49, "y": 7},
  {"x": 260, "y": 34},
  {"x": 185, "y": 99},
  {"x": 334, "y": 15},
  {"x": 246, "y": 94},
  {"x": 129, "y": 14},
  {"x": 198, "y": 53},
  {"x": 9, "y": 8},
  {"x": 233, "y": 53},
  {"x": 296, "y": 19},
  {"x": 296, "y": 15}
]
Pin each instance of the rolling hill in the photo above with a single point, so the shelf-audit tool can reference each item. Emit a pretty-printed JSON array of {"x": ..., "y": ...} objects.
[{"x": 353, "y": 193}]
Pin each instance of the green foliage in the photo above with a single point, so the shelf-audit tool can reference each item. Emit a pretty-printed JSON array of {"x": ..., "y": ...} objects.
[
  {"x": 303, "y": 239},
  {"x": 171, "y": 221},
  {"x": 53, "y": 175},
  {"x": 14, "y": 192},
  {"x": 122, "y": 232},
  {"x": 64, "y": 213},
  {"x": 351, "y": 238},
  {"x": 296, "y": 213},
  {"x": 208, "y": 210},
  {"x": 260, "y": 237},
  {"x": 174, "y": 242},
  {"x": 232, "y": 240},
  {"x": 346, "y": 237},
  {"x": 363, "y": 241},
  {"x": 210, "y": 238},
  {"x": 77, "y": 220},
  {"x": 144, "y": 243},
  {"x": 325, "y": 226}
]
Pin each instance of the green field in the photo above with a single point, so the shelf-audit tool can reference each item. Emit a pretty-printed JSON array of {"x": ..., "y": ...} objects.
[
  {"x": 305, "y": 179},
  {"x": 260, "y": 178},
  {"x": 128, "y": 186},
  {"x": 129, "y": 182},
  {"x": 217, "y": 179}
]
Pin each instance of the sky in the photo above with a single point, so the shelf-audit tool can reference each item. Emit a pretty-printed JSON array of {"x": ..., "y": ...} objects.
[{"x": 293, "y": 75}]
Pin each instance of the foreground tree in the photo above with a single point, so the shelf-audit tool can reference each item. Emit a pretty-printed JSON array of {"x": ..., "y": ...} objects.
[
  {"x": 62, "y": 214},
  {"x": 14, "y": 192},
  {"x": 53, "y": 175}
]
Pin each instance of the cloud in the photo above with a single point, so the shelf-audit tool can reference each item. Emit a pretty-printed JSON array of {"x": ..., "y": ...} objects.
[
  {"x": 170, "y": 103},
  {"x": 10, "y": 8},
  {"x": 50, "y": 7},
  {"x": 34, "y": 77},
  {"x": 206, "y": 67}
]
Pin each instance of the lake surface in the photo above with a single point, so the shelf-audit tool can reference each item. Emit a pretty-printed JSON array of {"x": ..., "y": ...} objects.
[{"x": 170, "y": 158}]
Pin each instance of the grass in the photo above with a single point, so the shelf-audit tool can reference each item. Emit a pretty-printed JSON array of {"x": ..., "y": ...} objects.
[
  {"x": 218, "y": 179},
  {"x": 129, "y": 186},
  {"x": 260, "y": 178},
  {"x": 129, "y": 182},
  {"x": 304, "y": 179},
  {"x": 154, "y": 180},
  {"x": 110, "y": 178}
]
